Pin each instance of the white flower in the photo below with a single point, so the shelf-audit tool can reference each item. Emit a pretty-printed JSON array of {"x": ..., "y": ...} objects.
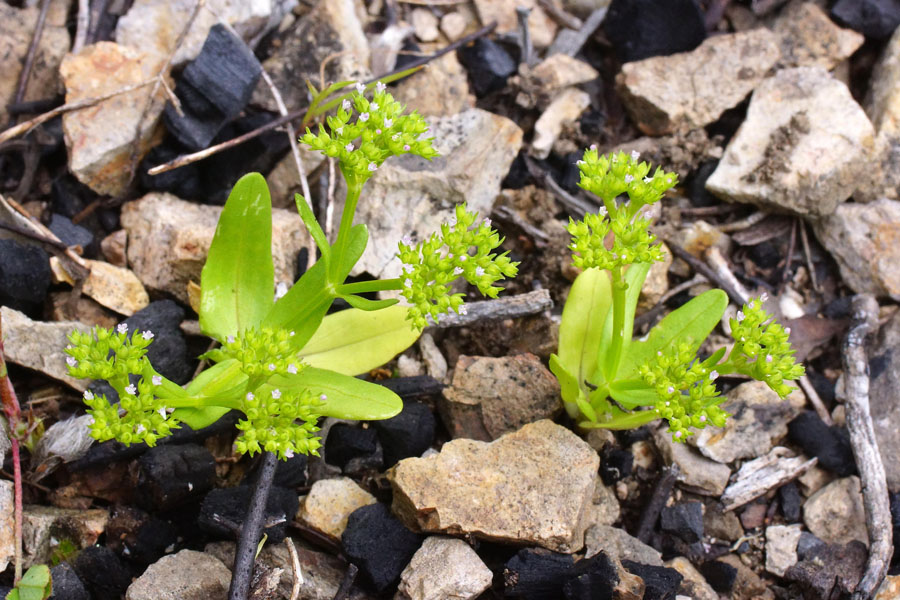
[
  {"x": 88, "y": 395},
  {"x": 648, "y": 179},
  {"x": 479, "y": 272},
  {"x": 407, "y": 240},
  {"x": 458, "y": 271},
  {"x": 602, "y": 211},
  {"x": 360, "y": 87},
  {"x": 377, "y": 132},
  {"x": 280, "y": 290},
  {"x": 486, "y": 222},
  {"x": 229, "y": 339},
  {"x": 162, "y": 412},
  {"x": 593, "y": 146},
  {"x": 406, "y": 147},
  {"x": 677, "y": 434},
  {"x": 349, "y": 147},
  {"x": 345, "y": 105},
  {"x": 787, "y": 330},
  {"x": 276, "y": 393},
  {"x": 629, "y": 178},
  {"x": 140, "y": 429},
  {"x": 372, "y": 167},
  {"x": 292, "y": 334},
  {"x": 271, "y": 367},
  {"x": 156, "y": 379},
  {"x": 463, "y": 257},
  {"x": 395, "y": 137},
  {"x": 452, "y": 222},
  {"x": 407, "y": 283},
  {"x": 463, "y": 310},
  {"x": 323, "y": 397},
  {"x": 373, "y": 105},
  {"x": 388, "y": 122},
  {"x": 380, "y": 87},
  {"x": 740, "y": 316},
  {"x": 131, "y": 389},
  {"x": 147, "y": 335},
  {"x": 751, "y": 304},
  {"x": 713, "y": 375},
  {"x": 250, "y": 396},
  {"x": 768, "y": 358},
  {"x": 364, "y": 117},
  {"x": 340, "y": 130},
  {"x": 670, "y": 389},
  {"x": 580, "y": 162},
  {"x": 292, "y": 369},
  {"x": 122, "y": 328},
  {"x": 703, "y": 418},
  {"x": 763, "y": 297},
  {"x": 71, "y": 361},
  {"x": 635, "y": 155},
  {"x": 289, "y": 453}
]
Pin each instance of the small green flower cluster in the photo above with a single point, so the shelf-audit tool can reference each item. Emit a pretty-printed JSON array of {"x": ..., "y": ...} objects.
[
  {"x": 261, "y": 352},
  {"x": 431, "y": 267},
  {"x": 379, "y": 131},
  {"x": 686, "y": 390},
  {"x": 272, "y": 422},
  {"x": 762, "y": 349},
  {"x": 107, "y": 354},
  {"x": 608, "y": 177}
]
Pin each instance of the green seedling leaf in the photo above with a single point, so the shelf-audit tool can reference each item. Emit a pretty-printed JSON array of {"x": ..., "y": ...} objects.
[
  {"x": 354, "y": 341},
  {"x": 238, "y": 281},
  {"x": 585, "y": 312},
  {"x": 632, "y": 393},
  {"x": 569, "y": 386},
  {"x": 345, "y": 397},
  {"x": 366, "y": 304},
  {"x": 634, "y": 277},
  {"x": 691, "y": 323},
  {"x": 34, "y": 585},
  {"x": 312, "y": 225},
  {"x": 223, "y": 380}
]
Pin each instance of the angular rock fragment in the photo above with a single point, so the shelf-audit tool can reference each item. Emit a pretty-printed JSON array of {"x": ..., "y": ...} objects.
[
  {"x": 187, "y": 574},
  {"x": 541, "y": 83},
  {"x": 492, "y": 396},
  {"x": 329, "y": 504},
  {"x": 488, "y": 65},
  {"x": 412, "y": 196},
  {"x": 105, "y": 575},
  {"x": 99, "y": 137},
  {"x": 168, "y": 239},
  {"x": 885, "y": 373},
  {"x": 864, "y": 240},
  {"x": 24, "y": 276},
  {"x": 693, "y": 584},
  {"x": 410, "y": 433},
  {"x": 116, "y": 288},
  {"x": 874, "y": 18},
  {"x": 835, "y": 513},
  {"x": 7, "y": 522},
  {"x": 659, "y": 582},
  {"x": 67, "y": 584},
  {"x": 828, "y": 570},
  {"x": 618, "y": 545},
  {"x": 692, "y": 89},
  {"x": 803, "y": 147},
  {"x": 224, "y": 510},
  {"x": 808, "y": 38},
  {"x": 441, "y": 89},
  {"x": 531, "y": 486},
  {"x": 171, "y": 475},
  {"x": 756, "y": 477},
  {"x": 45, "y": 527},
  {"x": 696, "y": 472},
  {"x": 540, "y": 25},
  {"x": 444, "y": 568},
  {"x": 781, "y": 548},
  {"x": 831, "y": 445},
  {"x": 684, "y": 520},
  {"x": 565, "y": 109},
  {"x": 883, "y": 107}
]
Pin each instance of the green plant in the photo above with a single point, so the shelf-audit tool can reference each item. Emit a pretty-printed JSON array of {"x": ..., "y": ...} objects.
[
  {"x": 34, "y": 585},
  {"x": 610, "y": 380},
  {"x": 282, "y": 361}
]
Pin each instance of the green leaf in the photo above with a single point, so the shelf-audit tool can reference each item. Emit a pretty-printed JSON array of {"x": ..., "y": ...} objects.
[
  {"x": 633, "y": 393},
  {"x": 690, "y": 323},
  {"x": 222, "y": 381},
  {"x": 354, "y": 341},
  {"x": 634, "y": 277},
  {"x": 312, "y": 225},
  {"x": 34, "y": 585},
  {"x": 368, "y": 305},
  {"x": 237, "y": 281},
  {"x": 345, "y": 397},
  {"x": 585, "y": 312},
  {"x": 302, "y": 308},
  {"x": 569, "y": 386}
]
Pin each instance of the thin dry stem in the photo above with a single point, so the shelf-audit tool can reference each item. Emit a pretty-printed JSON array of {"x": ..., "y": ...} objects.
[
  {"x": 297, "y": 574},
  {"x": 12, "y": 410}
]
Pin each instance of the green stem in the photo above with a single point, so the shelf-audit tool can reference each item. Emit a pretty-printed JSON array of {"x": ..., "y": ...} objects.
[
  {"x": 625, "y": 421},
  {"x": 614, "y": 357},
  {"x": 373, "y": 285},
  {"x": 343, "y": 237}
]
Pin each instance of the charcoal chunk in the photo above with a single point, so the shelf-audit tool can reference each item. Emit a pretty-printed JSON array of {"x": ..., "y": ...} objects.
[
  {"x": 171, "y": 475},
  {"x": 830, "y": 571},
  {"x": 831, "y": 445},
  {"x": 223, "y": 511},
  {"x": 24, "y": 276},
  {"x": 791, "y": 502},
  {"x": 214, "y": 88},
  {"x": 640, "y": 29},
  {"x": 346, "y": 442},
  {"x": 683, "y": 520},
  {"x": 488, "y": 65},
  {"x": 408, "y": 434},
  {"x": 874, "y": 18},
  {"x": 537, "y": 574},
  {"x": 66, "y": 584},
  {"x": 594, "y": 578},
  {"x": 137, "y": 536},
  {"x": 379, "y": 544},
  {"x": 104, "y": 574},
  {"x": 291, "y": 473},
  {"x": 616, "y": 464},
  {"x": 661, "y": 583},
  {"x": 71, "y": 234},
  {"x": 720, "y": 575},
  {"x": 168, "y": 353}
]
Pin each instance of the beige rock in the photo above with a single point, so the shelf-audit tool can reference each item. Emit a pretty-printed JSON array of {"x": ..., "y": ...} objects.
[
  {"x": 453, "y": 24},
  {"x": 835, "y": 513},
  {"x": 39, "y": 346},
  {"x": 509, "y": 490},
  {"x": 617, "y": 544},
  {"x": 700, "y": 236},
  {"x": 99, "y": 137},
  {"x": 693, "y": 585},
  {"x": 781, "y": 547},
  {"x": 541, "y": 26},
  {"x": 44, "y": 527},
  {"x": 434, "y": 360},
  {"x": 444, "y": 569},
  {"x": 687, "y": 90},
  {"x": 411, "y": 196},
  {"x": 696, "y": 472},
  {"x": 329, "y": 503},
  {"x": 564, "y": 109},
  {"x": 425, "y": 24},
  {"x": 113, "y": 248},
  {"x": 541, "y": 83},
  {"x": 85, "y": 310},
  {"x": 441, "y": 89},
  {"x": 168, "y": 239},
  {"x": 890, "y": 588},
  {"x": 883, "y": 107},
  {"x": 7, "y": 522},
  {"x": 803, "y": 147},
  {"x": 657, "y": 282},
  {"x": 808, "y": 38},
  {"x": 489, "y": 397},
  {"x": 814, "y": 480},
  {"x": 116, "y": 288},
  {"x": 883, "y": 405},
  {"x": 187, "y": 574},
  {"x": 16, "y": 30},
  {"x": 605, "y": 508},
  {"x": 864, "y": 240},
  {"x": 748, "y": 585}
]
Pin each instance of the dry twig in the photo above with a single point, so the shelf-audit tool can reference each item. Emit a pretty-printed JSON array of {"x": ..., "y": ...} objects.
[
  {"x": 737, "y": 295},
  {"x": 809, "y": 261},
  {"x": 82, "y": 25},
  {"x": 507, "y": 307},
  {"x": 744, "y": 223},
  {"x": 296, "y": 573},
  {"x": 25, "y": 74},
  {"x": 865, "y": 446},
  {"x": 813, "y": 396}
]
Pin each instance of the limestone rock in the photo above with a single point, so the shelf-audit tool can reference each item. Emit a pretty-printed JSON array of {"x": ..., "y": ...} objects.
[
  {"x": 885, "y": 373},
  {"x": 618, "y": 545},
  {"x": 441, "y": 89},
  {"x": 444, "y": 568},
  {"x": 43, "y": 527},
  {"x": 425, "y": 24},
  {"x": 453, "y": 24},
  {"x": 7, "y": 522},
  {"x": 759, "y": 420},
  {"x": 803, "y": 147},
  {"x": 696, "y": 472},
  {"x": 808, "y": 38},
  {"x": 492, "y": 396},
  {"x": 329, "y": 503},
  {"x": 168, "y": 239},
  {"x": 330, "y": 30},
  {"x": 116, "y": 288},
  {"x": 864, "y": 240},
  {"x": 747, "y": 585},
  {"x": 541, "y": 83},
  {"x": 564, "y": 109},
  {"x": 541, "y": 26},
  {"x": 657, "y": 282},
  {"x": 692, "y": 89},
  {"x": 99, "y": 137},
  {"x": 605, "y": 509},
  {"x": 781, "y": 547},
  {"x": 409, "y": 195},
  {"x": 835, "y": 513},
  {"x": 187, "y": 574},
  {"x": 16, "y": 30},
  {"x": 39, "y": 346},
  {"x": 890, "y": 588},
  {"x": 693, "y": 585},
  {"x": 153, "y": 26},
  {"x": 533, "y": 486}
]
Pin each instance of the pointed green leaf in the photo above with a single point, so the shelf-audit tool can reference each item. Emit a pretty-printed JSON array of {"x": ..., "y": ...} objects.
[
  {"x": 366, "y": 304},
  {"x": 223, "y": 380},
  {"x": 690, "y": 323},
  {"x": 585, "y": 312},
  {"x": 237, "y": 281},
  {"x": 345, "y": 397},
  {"x": 354, "y": 341},
  {"x": 569, "y": 386},
  {"x": 312, "y": 225},
  {"x": 634, "y": 277},
  {"x": 633, "y": 393}
]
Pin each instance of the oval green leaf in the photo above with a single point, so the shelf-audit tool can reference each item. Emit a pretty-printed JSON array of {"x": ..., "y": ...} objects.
[
  {"x": 345, "y": 397},
  {"x": 581, "y": 330}
]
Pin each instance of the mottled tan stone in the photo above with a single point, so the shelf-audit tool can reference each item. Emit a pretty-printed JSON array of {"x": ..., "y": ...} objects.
[{"x": 329, "y": 503}]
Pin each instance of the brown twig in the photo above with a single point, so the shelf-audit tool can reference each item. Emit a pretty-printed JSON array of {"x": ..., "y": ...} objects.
[
  {"x": 661, "y": 493},
  {"x": 343, "y": 591},
  {"x": 82, "y": 25},
  {"x": 187, "y": 159},
  {"x": 32, "y": 235},
  {"x": 296, "y": 573},
  {"x": 744, "y": 223},
  {"x": 25, "y": 75},
  {"x": 702, "y": 211},
  {"x": 813, "y": 396},
  {"x": 789, "y": 257},
  {"x": 703, "y": 269},
  {"x": 809, "y": 261},
  {"x": 12, "y": 411},
  {"x": 559, "y": 15},
  {"x": 865, "y": 446}
]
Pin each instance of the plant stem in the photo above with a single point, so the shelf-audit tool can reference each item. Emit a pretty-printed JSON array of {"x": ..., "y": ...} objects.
[
  {"x": 343, "y": 238},
  {"x": 11, "y": 408},
  {"x": 618, "y": 334},
  {"x": 251, "y": 531},
  {"x": 373, "y": 285}
]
